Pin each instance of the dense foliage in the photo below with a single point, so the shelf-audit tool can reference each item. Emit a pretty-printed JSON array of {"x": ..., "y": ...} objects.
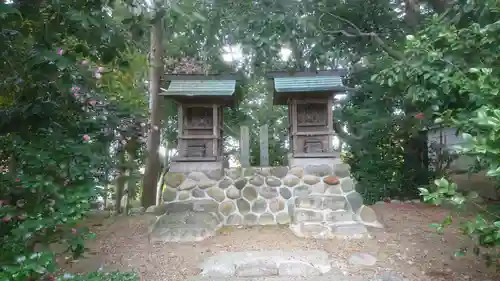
[
  {"x": 58, "y": 118},
  {"x": 73, "y": 110},
  {"x": 451, "y": 68}
]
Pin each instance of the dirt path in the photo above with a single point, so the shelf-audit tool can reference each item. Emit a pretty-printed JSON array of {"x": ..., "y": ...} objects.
[{"x": 407, "y": 245}]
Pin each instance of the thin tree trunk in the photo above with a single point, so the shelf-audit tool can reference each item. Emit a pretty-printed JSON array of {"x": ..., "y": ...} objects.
[
  {"x": 152, "y": 168},
  {"x": 120, "y": 182}
]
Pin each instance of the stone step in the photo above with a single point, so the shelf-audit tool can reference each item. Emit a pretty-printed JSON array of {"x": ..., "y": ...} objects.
[
  {"x": 319, "y": 230},
  {"x": 331, "y": 202},
  {"x": 267, "y": 263},
  {"x": 337, "y": 277},
  {"x": 326, "y": 216}
]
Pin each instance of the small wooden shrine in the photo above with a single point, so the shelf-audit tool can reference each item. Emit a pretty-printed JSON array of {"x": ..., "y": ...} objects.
[
  {"x": 310, "y": 97},
  {"x": 200, "y": 103}
]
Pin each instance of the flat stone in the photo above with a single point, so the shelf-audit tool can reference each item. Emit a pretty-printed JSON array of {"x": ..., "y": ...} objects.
[
  {"x": 198, "y": 176},
  {"x": 347, "y": 184},
  {"x": 334, "y": 203},
  {"x": 266, "y": 219},
  {"x": 362, "y": 259},
  {"x": 283, "y": 218},
  {"x": 349, "y": 231},
  {"x": 233, "y": 193},
  {"x": 250, "y": 219},
  {"x": 279, "y": 172},
  {"x": 250, "y": 193},
  {"x": 243, "y": 206},
  {"x": 205, "y": 205},
  {"x": 307, "y": 216},
  {"x": 174, "y": 179},
  {"x": 291, "y": 180},
  {"x": 225, "y": 183},
  {"x": 301, "y": 191},
  {"x": 227, "y": 207},
  {"x": 257, "y": 267},
  {"x": 257, "y": 180},
  {"x": 354, "y": 200},
  {"x": 187, "y": 184},
  {"x": 184, "y": 227},
  {"x": 151, "y": 209},
  {"x": 184, "y": 195},
  {"x": 215, "y": 174},
  {"x": 296, "y": 268},
  {"x": 368, "y": 216},
  {"x": 265, "y": 172},
  {"x": 176, "y": 207},
  {"x": 234, "y": 219},
  {"x": 333, "y": 190},
  {"x": 342, "y": 170},
  {"x": 319, "y": 170},
  {"x": 198, "y": 193},
  {"x": 285, "y": 193},
  {"x": 240, "y": 184},
  {"x": 268, "y": 192},
  {"x": 314, "y": 230},
  {"x": 318, "y": 188},
  {"x": 259, "y": 206},
  {"x": 311, "y": 202},
  {"x": 217, "y": 194},
  {"x": 276, "y": 205},
  {"x": 388, "y": 276},
  {"x": 248, "y": 172},
  {"x": 339, "y": 216},
  {"x": 331, "y": 180},
  {"x": 234, "y": 173},
  {"x": 169, "y": 194},
  {"x": 310, "y": 179},
  {"x": 206, "y": 183},
  {"x": 265, "y": 263},
  {"x": 297, "y": 171},
  {"x": 273, "y": 181}
]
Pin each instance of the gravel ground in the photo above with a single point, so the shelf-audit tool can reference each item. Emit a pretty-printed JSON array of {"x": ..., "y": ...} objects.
[{"x": 406, "y": 245}]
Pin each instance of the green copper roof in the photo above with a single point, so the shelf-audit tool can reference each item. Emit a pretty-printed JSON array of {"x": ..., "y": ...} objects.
[
  {"x": 307, "y": 84},
  {"x": 193, "y": 88}
]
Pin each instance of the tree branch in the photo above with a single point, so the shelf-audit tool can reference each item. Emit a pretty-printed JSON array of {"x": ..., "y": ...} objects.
[{"x": 372, "y": 35}]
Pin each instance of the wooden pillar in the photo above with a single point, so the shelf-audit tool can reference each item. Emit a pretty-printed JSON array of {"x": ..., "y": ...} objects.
[{"x": 215, "y": 146}]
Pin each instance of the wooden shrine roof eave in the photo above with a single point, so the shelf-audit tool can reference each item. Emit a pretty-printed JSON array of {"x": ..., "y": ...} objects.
[
  {"x": 278, "y": 74},
  {"x": 224, "y": 76}
]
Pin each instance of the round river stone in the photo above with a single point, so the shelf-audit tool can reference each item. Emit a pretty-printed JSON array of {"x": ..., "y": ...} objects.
[
  {"x": 285, "y": 193},
  {"x": 243, "y": 206},
  {"x": 250, "y": 193}
]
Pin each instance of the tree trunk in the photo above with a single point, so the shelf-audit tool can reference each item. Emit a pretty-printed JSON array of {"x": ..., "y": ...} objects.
[
  {"x": 120, "y": 182},
  {"x": 153, "y": 162}
]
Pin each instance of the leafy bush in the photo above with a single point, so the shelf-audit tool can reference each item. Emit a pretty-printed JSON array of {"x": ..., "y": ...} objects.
[
  {"x": 451, "y": 67},
  {"x": 55, "y": 129}
]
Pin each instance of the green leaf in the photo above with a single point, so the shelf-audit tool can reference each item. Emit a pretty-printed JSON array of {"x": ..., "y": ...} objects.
[
  {"x": 423, "y": 191},
  {"x": 460, "y": 253},
  {"x": 442, "y": 182}
]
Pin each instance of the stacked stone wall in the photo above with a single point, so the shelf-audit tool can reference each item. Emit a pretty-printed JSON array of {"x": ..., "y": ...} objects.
[{"x": 269, "y": 195}]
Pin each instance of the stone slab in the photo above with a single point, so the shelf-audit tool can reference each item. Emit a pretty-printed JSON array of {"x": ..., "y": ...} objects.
[
  {"x": 257, "y": 263},
  {"x": 184, "y": 227},
  {"x": 328, "y": 277}
]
